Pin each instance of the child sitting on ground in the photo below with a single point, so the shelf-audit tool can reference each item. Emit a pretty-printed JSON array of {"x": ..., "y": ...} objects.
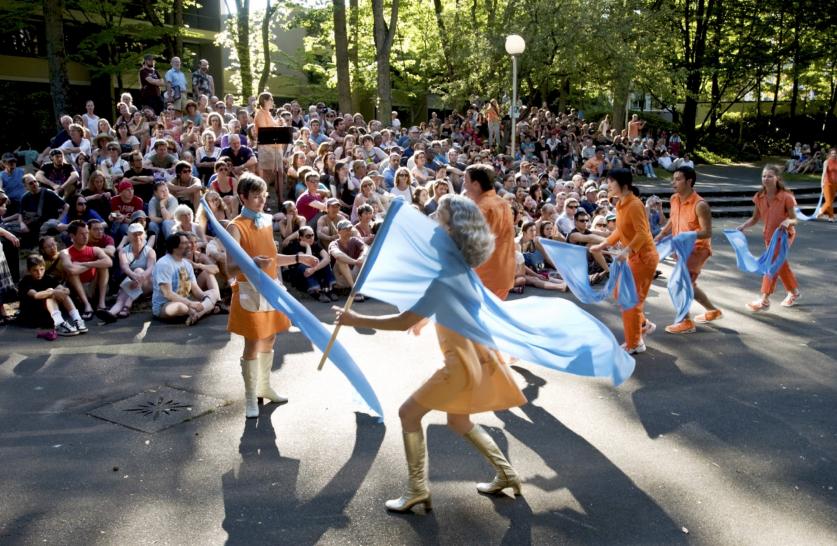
[{"x": 41, "y": 299}]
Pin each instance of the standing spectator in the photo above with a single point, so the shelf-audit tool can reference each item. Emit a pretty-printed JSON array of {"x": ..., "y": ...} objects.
[
  {"x": 58, "y": 175},
  {"x": 90, "y": 119},
  {"x": 176, "y": 86},
  {"x": 151, "y": 85},
  {"x": 85, "y": 268},
  {"x": 202, "y": 81},
  {"x": 11, "y": 182},
  {"x": 635, "y": 127},
  {"x": 828, "y": 183},
  {"x": 41, "y": 300},
  {"x": 122, "y": 206}
]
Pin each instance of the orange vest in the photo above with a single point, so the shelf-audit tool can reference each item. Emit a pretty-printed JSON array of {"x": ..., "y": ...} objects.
[{"x": 684, "y": 217}]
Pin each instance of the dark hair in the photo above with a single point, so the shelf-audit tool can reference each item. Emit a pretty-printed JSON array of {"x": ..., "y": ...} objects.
[
  {"x": 623, "y": 177},
  {"x": 542, "y": 226},
  {"x": 182, "y": 166},
  {"x": 483, "y": 174},
  {"x": 34, "y": 260},
  {"x": 688, "y": 173},
  {"x": 527, "y": 225},
  {"x": 74, "y": 226},
  {"x": 579, "y": 213},
  {"x": 173, "y": 241}
]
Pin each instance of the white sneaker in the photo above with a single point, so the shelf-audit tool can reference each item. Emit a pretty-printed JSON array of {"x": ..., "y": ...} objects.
[
  {"x": 635, "y": 350},
  {"x": 80, "y": 326},
  {"x": 66, "y": 329},
  {"x": 649, "y": 328}
]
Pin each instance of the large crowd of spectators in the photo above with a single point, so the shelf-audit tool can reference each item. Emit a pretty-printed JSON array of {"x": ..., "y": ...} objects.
[{"x": 102, "y": 213}]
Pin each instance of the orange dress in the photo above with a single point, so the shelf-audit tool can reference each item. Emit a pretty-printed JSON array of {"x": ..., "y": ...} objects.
[
  {"x": 262, "y": 324},
  {"x": 829, "y": 187},
  {"x": 497, "y": 273},
  {"x": 684, "y": 218},
  {"x": 474, "y": 379}
]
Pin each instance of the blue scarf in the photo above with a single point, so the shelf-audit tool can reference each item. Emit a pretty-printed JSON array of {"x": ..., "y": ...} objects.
[
  {"x": 680, "y": 287},
  {"x": 769, "y": 262},
  {"x": 261, "y": 219},
  {"x": 804, "y": 217}
]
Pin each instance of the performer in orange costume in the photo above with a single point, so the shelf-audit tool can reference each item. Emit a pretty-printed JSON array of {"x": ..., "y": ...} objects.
[
  {"x": 689, "y": 212},
  {"x": 634, "y": 234},
  {"x": 251, "y": 316},
  {"x": 777, "y": 207},
  {"x": 829, "y": 185}
]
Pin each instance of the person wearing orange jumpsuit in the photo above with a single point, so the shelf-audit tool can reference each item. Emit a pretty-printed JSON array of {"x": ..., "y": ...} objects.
[{"x": 829, "y": 185}]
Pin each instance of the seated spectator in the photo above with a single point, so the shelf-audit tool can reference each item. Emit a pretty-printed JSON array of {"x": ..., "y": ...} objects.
[
  {"x": 665, "y": 161},
  {"x": 440, "y": 188},
  {"x": 184, "y": 221},
  {"x": 76, "y": 145},
  {"x": 85, "y": 268},
  {"x": 136, "y": 261},
  {"x": 11, "y": 182},
  {"x": 139, "y": 217},
  {"x": 41, "y": 299},
  {"x": 318, "y": 281},
  {"x": 582, "y": 235},
  {"x": 122, "y": 206},
  {"x": 684, "y": 161},
  {"x": 206, "y": 271},
  {"x": 547, "y": 230},
  {"x": 185, "y": 187},
  {"x": 175, "y": 292},
  {"x": 365, "y": 224},
  {"x": 99, "y": 239},
  {"x": 525, "y": 276},
  {"x": 243, "y": 158},
  {"x": 348, "y": 253},
  {"x": 420, "y": 198},
  {"x": 289, "y": 224},
  {"x": 656, "y": 216},
  {"x": 97, "y": 194},
  {"x": 590, "y": 201},
  {"x": 534, "y": 254},
  {"x": 8, "y": 293},
  {"x": 226, "y": 186},
  {"x": 41, "y": 208},
  {"x": 566, "y": 220},
  {"x": 595, "y": 166},
  {"x": 403, "y": 185},
  {"x": 327, "y": 223},
  {"x": 311, "y": 203},
  {"x": 218, "y": 209},
  {"x": 112, "y": 165},
  {"x": 59, "y": 176},
  {"x": 368, "y": 196},
  {"x": 161, "y": 161},
  {"x": 389, "y": 171},
  {"x": 141, "y": 177},
  {"x": 50, "y": 252},
  {"x": 77, "y": 210}
]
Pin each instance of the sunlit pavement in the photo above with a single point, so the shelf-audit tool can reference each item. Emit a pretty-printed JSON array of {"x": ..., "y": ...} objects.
[{"x": 725, "y": 436}]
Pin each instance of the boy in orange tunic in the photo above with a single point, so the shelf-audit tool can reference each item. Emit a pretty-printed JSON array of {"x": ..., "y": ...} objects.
[
  {"x": 689, "y": 212},
  {"x": 251, "y": 316}
]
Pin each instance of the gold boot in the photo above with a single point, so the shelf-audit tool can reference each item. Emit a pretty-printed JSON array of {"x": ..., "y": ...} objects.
[
  {"x": 263, "y": 388},
  {"x": 250, "y": 373},
  {"x": 506, "y": 476},
  {"x": 417, "y": 492}
]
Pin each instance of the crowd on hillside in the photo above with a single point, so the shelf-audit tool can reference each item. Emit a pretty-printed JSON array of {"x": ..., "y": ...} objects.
[{"x": 108, "y": 211}]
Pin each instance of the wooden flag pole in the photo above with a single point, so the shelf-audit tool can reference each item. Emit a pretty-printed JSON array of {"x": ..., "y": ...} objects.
[{"x": 349, "y": 301}]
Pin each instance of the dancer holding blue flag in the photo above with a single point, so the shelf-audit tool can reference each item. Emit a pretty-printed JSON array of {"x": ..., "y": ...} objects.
[
  {"x": 776, "y": 207},
  {"x": 251, "y": 316},
  {"x": 474, "y": 378},
  {"x": 633, "y": 233},
  {"x": 689, "y": 212}
]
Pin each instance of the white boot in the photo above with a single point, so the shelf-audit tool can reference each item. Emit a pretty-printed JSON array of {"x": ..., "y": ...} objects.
[
  {"x": 263, "y": 388},
  {"x": 250, "y": 373}
]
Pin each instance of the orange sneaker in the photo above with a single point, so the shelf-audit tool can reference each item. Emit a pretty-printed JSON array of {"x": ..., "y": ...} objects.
[
  {"x": 685, "y": 327},
  {"x": 709, "y": 316}
]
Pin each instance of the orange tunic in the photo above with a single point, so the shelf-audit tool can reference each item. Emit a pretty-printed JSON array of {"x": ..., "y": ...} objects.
[
  {"x": 264, "y": 119},
  {"x": 684, "y": 218},
  {"x": 474, "y": 379},
  {"x": 497, "y": 274},
  {"x": 829, "y": 187},
  {"x": 773, "y": 212},
  {"x": 260, "y": 325}
]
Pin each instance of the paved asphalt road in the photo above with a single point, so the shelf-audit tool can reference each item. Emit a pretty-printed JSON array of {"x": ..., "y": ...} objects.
[{"x": 727, "y": 436}]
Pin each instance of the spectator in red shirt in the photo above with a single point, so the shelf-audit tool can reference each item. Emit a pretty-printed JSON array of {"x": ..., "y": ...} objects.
[
  {"x": 311, "y": 202},
  {"x": 85, "y": 268},
  {"x": 122, "y": 207},
  {"x": 99, "y": 239}
]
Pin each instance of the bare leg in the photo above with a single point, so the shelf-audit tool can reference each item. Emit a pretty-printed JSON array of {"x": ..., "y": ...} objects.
[
  {"x": 703, "y": 299},
  {"x": 102, "y": 276},
  {"x": 252, "y": 347},
  {"x": 410, "y": 414},
  {"x": 77, "y": 287},
  {"x": 461, "y": 424},
  {"x": 342, "y": 271}
]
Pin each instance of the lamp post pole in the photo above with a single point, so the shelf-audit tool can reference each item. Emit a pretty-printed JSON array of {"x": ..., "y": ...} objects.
[{"x": 514, "y": 106}]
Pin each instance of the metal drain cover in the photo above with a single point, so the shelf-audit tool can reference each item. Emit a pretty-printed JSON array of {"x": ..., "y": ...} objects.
[{"x": 157, "y": 409}]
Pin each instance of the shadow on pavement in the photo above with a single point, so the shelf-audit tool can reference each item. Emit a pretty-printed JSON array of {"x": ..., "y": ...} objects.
[{"x": 260, "y": 500}]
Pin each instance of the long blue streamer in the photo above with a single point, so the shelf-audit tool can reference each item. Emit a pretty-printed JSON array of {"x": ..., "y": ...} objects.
[
  {"x": 571, "y": 262},
  {"x": 680, "y": 287},
  {"x": 805, "y": 218},
  {"x": 414, "y": 265},
  {"x": 308, "y": 324},
  {"x": 766, "y": 264}
]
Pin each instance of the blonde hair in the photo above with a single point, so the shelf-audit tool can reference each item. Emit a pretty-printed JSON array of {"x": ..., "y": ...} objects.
[{"x": 467, "y": 227}]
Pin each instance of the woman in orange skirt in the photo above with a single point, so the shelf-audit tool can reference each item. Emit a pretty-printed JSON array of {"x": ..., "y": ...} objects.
[
  {"x": 473, "y": 379},
  {"x": 633, "y": 233},
  {"x": 251, "y": 316}
]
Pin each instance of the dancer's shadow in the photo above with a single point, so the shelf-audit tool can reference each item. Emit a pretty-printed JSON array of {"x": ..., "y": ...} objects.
[
  {"x": 613, "y": 508},
  {"x": 261, "y": 505}
]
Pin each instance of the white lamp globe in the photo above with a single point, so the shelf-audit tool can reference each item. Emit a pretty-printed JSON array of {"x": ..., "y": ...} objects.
[{"x": 515, "y": 45}]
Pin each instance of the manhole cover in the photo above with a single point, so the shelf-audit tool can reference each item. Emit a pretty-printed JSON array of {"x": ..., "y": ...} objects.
[{"x": 156, "y": 409}]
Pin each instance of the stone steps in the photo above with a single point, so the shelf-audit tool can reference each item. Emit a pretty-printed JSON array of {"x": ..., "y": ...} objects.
[{"x": 737, "y": 202}]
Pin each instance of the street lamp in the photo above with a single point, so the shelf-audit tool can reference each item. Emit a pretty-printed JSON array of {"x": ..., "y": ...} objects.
[{"x": 515, "y": 45}]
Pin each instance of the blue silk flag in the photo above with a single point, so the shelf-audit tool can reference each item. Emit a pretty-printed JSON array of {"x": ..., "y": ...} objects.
[
  {"x": 805, "y": 218},
  {"x": 282, "y": 301},
  {"x": 571, "y": 261},
  {"x": 680, "y": 287},
  {"x": 415, "y": 266},
  {"x": 769, "y": 262}
]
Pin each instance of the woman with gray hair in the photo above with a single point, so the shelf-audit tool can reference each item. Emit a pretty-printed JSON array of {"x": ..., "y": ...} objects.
[{"x": 473, "y": 379}]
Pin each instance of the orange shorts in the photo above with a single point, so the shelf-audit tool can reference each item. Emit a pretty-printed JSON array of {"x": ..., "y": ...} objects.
[{"x": 696, "y": 261}]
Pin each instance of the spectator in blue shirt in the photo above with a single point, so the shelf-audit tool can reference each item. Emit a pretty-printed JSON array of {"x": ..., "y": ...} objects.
[{"x": 11, "y": 181}]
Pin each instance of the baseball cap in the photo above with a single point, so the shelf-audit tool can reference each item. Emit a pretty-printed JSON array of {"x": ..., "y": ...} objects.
[
  {"x": 55, "y": 151},
  {"x": 332, "y": 201},
  {"x": 343, "y": 224},
  {"x": 124, "y": 185},
  {"x": 135, "y": 228},
  {"x": 8, "y": 156},
  {"x": 138, "y": 214}
]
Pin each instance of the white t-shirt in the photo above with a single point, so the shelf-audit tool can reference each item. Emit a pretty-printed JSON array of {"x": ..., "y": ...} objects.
[
  {"x": 92, "y": 123},
  {"x": 84, "y": 145},
  {"x": 407, "y": 193}
]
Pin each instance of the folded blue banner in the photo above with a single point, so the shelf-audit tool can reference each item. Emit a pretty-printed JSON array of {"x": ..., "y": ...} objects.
[
  {"x": 801, "y": 216},
  {"x": 414, "y": 265},
  {"x": 571, "y": 261},
  {"x": 680, "y": 287},
  {"x": 307, "y": 323},
  {"x": 766, "y": 264}
]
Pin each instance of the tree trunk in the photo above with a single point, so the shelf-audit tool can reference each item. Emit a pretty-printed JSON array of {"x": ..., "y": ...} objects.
[
  {"x": 779, "y": 64},
  {"x": 268, "y": 15},
  {"x": 384, "y": 35},
  {"x": 177, "y": 9},
  {"x": 621, "y": 94},
  {"x": 354, "y": 54},
  {"x": 59, "y": 81},
  {"x": 341, "y": 52},
  {"x": 443, "y": 37},
  {"x": 797, "y": 23},
  {"x": 242, "y": 47},
  {"x": 149, "y": 7}
]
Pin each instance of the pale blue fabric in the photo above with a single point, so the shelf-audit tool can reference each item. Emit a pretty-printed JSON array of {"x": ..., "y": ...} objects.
[
  {"x": 308, "y": 324},
  {"x": 259, "y": 218},
  {"x": 680, "y": 287},
  {"x": 806, "y": 218},
  {"x": 571, "y": 262},
  {"x": 766, "y": 264},
  {"x": 414, "y": 265}
]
